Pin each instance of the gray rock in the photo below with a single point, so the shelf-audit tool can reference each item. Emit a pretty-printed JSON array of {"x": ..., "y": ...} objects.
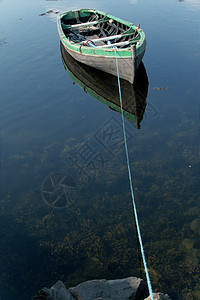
[
  {"x": 131, "y": 288},
  {"x": 158, "y": 296},
  {"x": 57, "y": 292}
]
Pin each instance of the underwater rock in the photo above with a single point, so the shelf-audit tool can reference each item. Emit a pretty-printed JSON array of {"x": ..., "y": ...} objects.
[
  {"x": 130, "y": 288},
  {"x": 119, "y": 289},
  {"x": 49, "y": 12},
  {"x": 195, "y": 225}
]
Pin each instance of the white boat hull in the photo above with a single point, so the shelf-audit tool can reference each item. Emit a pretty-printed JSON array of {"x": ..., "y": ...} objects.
[{"x": 127, "y": 65}]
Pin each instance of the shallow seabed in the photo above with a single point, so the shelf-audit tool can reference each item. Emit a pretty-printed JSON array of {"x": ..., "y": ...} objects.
[{"x": 59, "y": 142}]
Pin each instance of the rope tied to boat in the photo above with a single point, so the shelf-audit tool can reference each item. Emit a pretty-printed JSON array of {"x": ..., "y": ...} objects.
[{"x": 131, "y": 185}]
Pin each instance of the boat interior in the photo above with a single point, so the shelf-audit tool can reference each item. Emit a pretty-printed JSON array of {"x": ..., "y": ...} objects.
[{"x": 90, "y": 28}]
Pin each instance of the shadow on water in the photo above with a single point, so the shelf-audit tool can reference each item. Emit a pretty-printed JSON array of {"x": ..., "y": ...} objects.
[{"x": 95, "y": 83}]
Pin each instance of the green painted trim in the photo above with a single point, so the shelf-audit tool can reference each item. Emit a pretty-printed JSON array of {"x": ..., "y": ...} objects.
[{"x": 85, "y": 50}]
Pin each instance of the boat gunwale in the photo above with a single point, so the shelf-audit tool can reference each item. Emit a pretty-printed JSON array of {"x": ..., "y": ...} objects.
[{"x": 111, "y": 51}]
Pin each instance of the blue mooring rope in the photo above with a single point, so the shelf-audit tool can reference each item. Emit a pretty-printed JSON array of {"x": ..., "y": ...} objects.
[{"x": 131, "y": 187}]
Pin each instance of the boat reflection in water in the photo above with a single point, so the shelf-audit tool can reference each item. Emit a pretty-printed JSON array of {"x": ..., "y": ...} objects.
[{"x": 104, "y": 87}]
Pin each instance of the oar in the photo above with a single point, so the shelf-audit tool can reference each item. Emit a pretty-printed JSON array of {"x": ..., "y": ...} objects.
[
  {"x": 112, "y": 37},
  {"x": 126, "y": 43},
  {"x": 84, "y": 24}
]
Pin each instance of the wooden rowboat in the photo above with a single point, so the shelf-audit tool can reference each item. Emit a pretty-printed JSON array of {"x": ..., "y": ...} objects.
[
  {"x": 95, "y": 38},
  {"x": 104, "y": 87}
]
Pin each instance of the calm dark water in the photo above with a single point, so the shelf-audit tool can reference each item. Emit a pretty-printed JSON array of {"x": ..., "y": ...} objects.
[{"x": 52, "y": 131}]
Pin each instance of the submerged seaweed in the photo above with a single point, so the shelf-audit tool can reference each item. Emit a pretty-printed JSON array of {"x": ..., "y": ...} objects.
[{"x": 95, "y": 236}]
